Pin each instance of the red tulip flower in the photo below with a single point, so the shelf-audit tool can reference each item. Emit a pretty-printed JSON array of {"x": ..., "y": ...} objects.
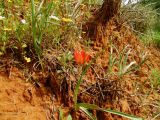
[{"x": 81, "y": 57}]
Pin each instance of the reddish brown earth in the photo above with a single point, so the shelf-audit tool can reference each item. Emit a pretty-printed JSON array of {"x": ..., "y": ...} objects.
[{"x": 20, "y": 100}]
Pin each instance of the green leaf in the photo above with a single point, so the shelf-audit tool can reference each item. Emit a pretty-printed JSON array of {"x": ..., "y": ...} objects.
[
  {"x": 88, "y": 106},
  {"x": 69, "y": 117},
  {"x": 90, "y": 115},
  {"x": 80, "y": 79},
  {"x": 60, "y": 114},
  {"x": 79, "y": 83},
  {"x": 95, "y": 107},
  {"x": 122, "y": 114}
]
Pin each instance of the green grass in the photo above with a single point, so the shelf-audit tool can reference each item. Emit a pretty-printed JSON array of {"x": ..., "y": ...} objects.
[
  {"x": 155, "y": 78},
  {"x": 41, "y": 29},
  {"x": 156, "y": 38},
  {"x": 120, "y": 60},
  {"x": 39, "y": 24},
  {"x": 151, "y": 37}
]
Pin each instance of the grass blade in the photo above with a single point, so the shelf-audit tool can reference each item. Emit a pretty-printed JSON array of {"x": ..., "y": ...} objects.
[
  {"x": 79, "y": 83},
  {"x": 69, "y": 117},
  {"x": 88, "y": 106},
  {"x": 131, "y": 117},
  {"x": 95, "y": 107},
  {"x": 60, "y": 114},
  {"x": 90, "y": 115}
]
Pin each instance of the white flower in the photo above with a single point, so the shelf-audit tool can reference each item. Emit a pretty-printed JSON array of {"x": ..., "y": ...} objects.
[
  {"x": 54, "y": 17},
  {"x": 23, "y": 21},
  {"x": 1, "y": 17}
]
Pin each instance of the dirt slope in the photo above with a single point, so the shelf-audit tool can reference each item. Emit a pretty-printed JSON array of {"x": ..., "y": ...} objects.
[{"x": 22, "y": 101}]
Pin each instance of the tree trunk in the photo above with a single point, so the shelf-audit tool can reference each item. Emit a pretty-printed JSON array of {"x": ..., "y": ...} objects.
[
  {"x": 96, "y": 27},
  {"x": 108, "y": 10}
]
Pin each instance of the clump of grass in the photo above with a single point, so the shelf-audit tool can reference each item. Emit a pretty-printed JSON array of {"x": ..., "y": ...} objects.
[
  {"x": 139, "y": 17},
  {"x": 155, "y": 78},
  {"x": 120, "y": 60},
  {"x": 143, "y": 20},
  {"x": 39, "y": 24},
  {"x": 152, "y": 37},
  {"x": 156, "y": 39},
  {"x": 4, "y": 35}
]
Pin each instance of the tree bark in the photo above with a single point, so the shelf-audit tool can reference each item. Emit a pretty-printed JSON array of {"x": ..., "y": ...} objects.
[
  {"x": 96, "y": 27},
  {"x": 108, "y": 10}
]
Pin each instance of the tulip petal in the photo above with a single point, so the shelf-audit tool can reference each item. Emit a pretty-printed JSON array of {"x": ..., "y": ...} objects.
[{"x": 81, "y": 57}]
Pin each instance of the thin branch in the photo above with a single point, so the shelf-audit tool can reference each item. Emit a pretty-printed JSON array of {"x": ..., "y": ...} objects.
[{"x": 98, "y": 82}]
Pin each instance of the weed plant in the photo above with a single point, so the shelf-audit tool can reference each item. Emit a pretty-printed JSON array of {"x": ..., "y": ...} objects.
[
  {"x": 155, "y": 78},
  {"x": 143, "y": 20},
  {"x": 120, "y": 60}
]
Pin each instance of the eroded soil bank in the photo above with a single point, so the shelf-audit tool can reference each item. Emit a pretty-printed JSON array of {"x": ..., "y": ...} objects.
[{"x": 20, "y": 100}]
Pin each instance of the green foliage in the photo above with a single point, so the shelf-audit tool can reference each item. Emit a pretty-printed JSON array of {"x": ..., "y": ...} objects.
[
  {"x": 65, "y": 58},
  {"x": 39, "y": 24},
  {"x": 155, "y": 3},
  {"x": 89, "y": 114},
  {"x": 85, "y": 107},
  {"x": 52, "y": 21},
  {"x": 5, "y": 29},
  {"x": 78, "y": 85},
  {"x": 143, "y": 18},
  {"x": 61, "y": 117},
  {"x": 93, "y": 2},
  {"x": 69, "y": 117},
  {"x": 152, "y": 37},
  {"x": 155, "y": 78},
  {"x": 140, "y": 18},
  {"x": 120, "y": 58}
]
